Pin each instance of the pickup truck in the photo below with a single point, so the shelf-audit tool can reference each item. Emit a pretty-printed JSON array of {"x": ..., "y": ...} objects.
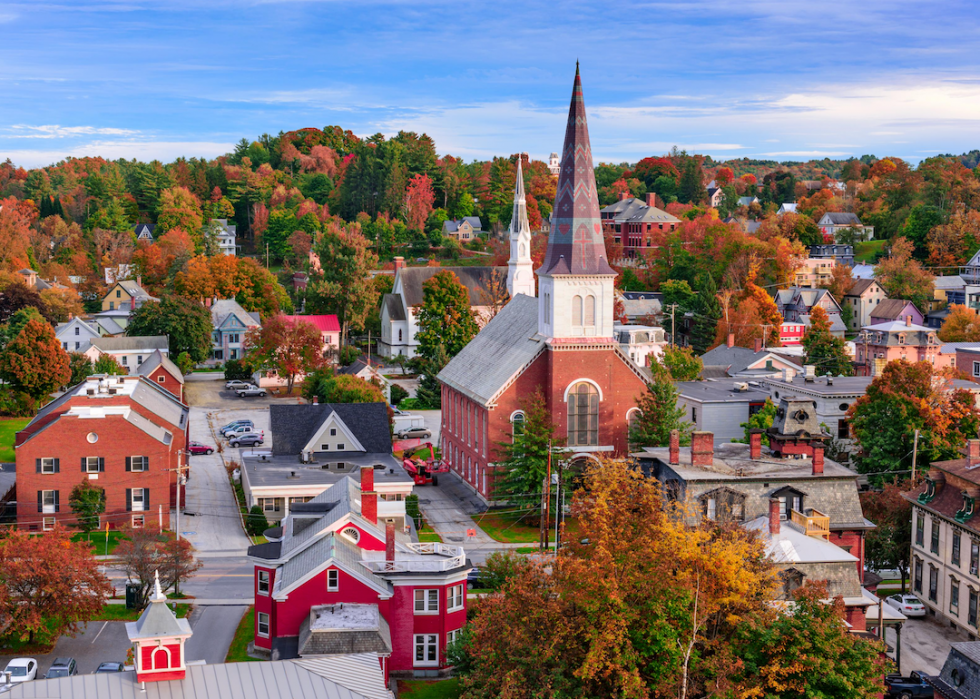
[
  {"x": 907, "y": 687},
  {"x": 250, "y": 391}
]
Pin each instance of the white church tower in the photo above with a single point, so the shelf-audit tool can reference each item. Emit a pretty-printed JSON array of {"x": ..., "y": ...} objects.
[{"x": 520, "y": 275}]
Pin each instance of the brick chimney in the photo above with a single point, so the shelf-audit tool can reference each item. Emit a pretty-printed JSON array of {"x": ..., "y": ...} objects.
[
  {"x": 908, "y": 321},
  {"x": 973, "y": 451},
  {"x": 755, "y": 444},
  {"x": 390, "y": 540},
  {"x": 774, "y": 516},
  {"x": 758, "y": 345},
  {"x": 399, "y": 264},
  {"x": 651, "y": 198},
  {"x": 623, "y": 196},
  {"x": 369, "y": 498},
  {"x": 817, "y": 459},
  {"x": 702, "y": 448},
  {"x": 315, "y": 400},
  {"x": 139, "y": 280},
  {"x": 675, "y": 447},
  {"x": 731, "y": 340}
]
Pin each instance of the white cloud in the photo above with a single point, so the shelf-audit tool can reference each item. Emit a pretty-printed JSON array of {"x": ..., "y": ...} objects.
[
  {"x": 56, "y": 131},
  {"x": 165, "y": 151}
]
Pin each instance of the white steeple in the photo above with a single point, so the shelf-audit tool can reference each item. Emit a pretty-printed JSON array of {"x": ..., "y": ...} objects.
[{"x": 520, "y": 275}]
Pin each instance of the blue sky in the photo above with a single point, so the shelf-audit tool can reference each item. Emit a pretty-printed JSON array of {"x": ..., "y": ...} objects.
[{"x": 756, "y": 78}]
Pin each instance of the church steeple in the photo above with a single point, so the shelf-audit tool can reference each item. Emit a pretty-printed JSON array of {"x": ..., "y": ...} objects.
[
  {"x": 575, "y": 283},
  {"x": 520, "y": 276}
]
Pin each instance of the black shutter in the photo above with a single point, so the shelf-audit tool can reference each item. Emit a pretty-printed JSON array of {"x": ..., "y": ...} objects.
[
  {"x": 146, "y": 464},
  {"x": 101, "y": 464},
  {"x": 129, "y": 463},
  {"x": 37, "y": 464},
  {"x": 57, "y": 465},
  {"x": 40, "y": 501},
  {"x": 57, "y": 501},
  {"x": 129, "y": 497},
  {"x": 146, "y": 499},
  {"x": 84, "y": 464}
]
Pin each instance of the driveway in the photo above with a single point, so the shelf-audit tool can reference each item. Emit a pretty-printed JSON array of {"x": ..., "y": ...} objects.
[
  {"x": 925, "y": 644},
  {"x": 211, "y": 393}
]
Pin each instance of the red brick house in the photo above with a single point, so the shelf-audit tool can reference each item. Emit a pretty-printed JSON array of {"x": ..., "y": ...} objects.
[
  {"x": 332, "y": 577},
  {"x": 126, "y": 434},
  {"x": 561, "y": 343},
  {"x": 163, "y": 372}
]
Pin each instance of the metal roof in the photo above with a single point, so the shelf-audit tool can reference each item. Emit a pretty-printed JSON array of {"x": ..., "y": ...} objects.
[
  {"x": 132, "y": 344},
  {"x": 156, "y": 359}
]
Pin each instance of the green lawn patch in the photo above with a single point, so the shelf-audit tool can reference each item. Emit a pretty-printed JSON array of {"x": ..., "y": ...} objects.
[
  {"x": 118, "y": 612},
  {"x": 422, "y": 689},
  {"x": 244, "y": 634},
  {"x": 510, "y": 527},
  {"x": 529, "y": 549},
  {"x": 865, "y": 252},
  {"x": 8, "y": 429},
  {"x": 429, "y": 536},
  {"x": 97, "y": 541}
]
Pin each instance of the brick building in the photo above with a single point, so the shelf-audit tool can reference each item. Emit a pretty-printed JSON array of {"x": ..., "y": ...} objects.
[
  {"x": 633, "y": 223},
  {"x": 126, "y": 434},
  {"x": 164, "y": 373},
  {"x": 332, "y": 574},
  {"x": 881, "y": 343},
  {"x": 561, "y": 343}
]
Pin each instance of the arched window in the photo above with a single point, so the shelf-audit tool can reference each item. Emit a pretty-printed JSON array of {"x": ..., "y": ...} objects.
[
  {"x": 583, "y": 415},
  {"x": 547, "y": 308},
  {"x": 160, "y": 658},
  {"x": 632, "y": 419},
  {"x": 576, "y": 310},
  {"x": 517, "y": 424},
  {"x": 399, "y": 334},
  {"x": 522, "y": 251},
  {"x": 590, "y": 311}
]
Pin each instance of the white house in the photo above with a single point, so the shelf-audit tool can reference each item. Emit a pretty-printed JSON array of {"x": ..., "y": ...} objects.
[
  {"x": 76, "y": 335},
  {"x": 641, "y": 343},
  {"x": 231, "y": 323},
  {"x": 226, "y": 233},
  {"x": 833, "y": 222},
  {"x": 129, "y": 352}
]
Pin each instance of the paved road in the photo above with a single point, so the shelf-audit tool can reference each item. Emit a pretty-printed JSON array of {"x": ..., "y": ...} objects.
[
  {"x": 217, "y": 627},
  {"x": 925, "y": 644}
]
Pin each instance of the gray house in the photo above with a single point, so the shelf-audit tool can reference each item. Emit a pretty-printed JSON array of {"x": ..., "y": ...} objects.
[{"x": 720, "y": 406}]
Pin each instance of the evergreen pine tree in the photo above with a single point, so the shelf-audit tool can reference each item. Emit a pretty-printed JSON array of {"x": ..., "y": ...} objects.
[
  {"x": 707, "y": 313},
  {"x": 659, "y": 413},
  {"x": 523, "y": 461}
]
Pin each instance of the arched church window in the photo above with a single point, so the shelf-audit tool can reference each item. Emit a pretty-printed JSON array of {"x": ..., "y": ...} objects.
[
  {"x": 576, "y": 310},
  {"x": 517, "y": 424},
  {"x": 583, "y": 415},
  {"x": 590, "y": 311},
  {"x": 522, "y": 249},
  {"x": 547, "y": 308}
]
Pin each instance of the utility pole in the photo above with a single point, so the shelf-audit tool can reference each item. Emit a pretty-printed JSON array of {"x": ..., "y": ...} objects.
[
  {"x": 915, "y": 454},
  {"x": 545, "y": 503},
  {"x": 180, "y": 475},
  {"x": 673, "y": 307}
]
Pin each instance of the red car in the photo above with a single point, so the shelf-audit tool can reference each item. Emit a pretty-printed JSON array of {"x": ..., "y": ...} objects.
[{"x": 198, "y": 448}]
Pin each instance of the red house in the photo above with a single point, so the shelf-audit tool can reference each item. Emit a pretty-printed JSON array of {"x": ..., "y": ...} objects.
[
  {"x": 126, "y": 434},
  {"x": 159, "y": 369},
  {"x": 332, "y": 580},
  {"x": 560, "y": 344}
]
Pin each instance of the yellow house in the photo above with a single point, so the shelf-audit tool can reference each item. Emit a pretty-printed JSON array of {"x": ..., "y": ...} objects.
[{"x": 126, "y": 295}]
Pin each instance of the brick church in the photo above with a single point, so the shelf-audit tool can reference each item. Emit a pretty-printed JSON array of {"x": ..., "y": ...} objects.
[{"x": 559, "y": 342}]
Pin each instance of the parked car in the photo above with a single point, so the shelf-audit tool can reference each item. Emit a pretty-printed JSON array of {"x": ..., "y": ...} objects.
[
  {"x": 414, "y": 433},
  {"x": 197, "y": 448},
  {"x": 907, "y": 687},
  {"x": 236, "y": 423},
  {"x": 240, "y": 429},
  {"x": 249, "y": 439},
  {"x": 62, "y": 667},
  {"x": 474, "y": 578},
  {"x": 21, "y": 670},
  {"x": 909, "y": 605},
  {"x": 235, "y": 384},
  {"x": 110, "y": 667},
  {"x": 250, "y": 392}
]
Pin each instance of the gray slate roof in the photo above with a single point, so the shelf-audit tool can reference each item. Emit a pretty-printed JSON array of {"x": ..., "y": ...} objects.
[
  {"x": 222, "y": 308},
  {"x": 840, "y": 218},
  {"x": 136, "y": 291},
  {"x": 734, "y": 359},
  {"x": 506, "y": 344},
  {"x": 157, "y": 620},
  {"x": 334, "y": 547},
  {"x": 475, "y": 279},
  {"x": 132, "y": 344},
  {"x": 396, "y": 309},
  {"x": 293, "y": 426}
]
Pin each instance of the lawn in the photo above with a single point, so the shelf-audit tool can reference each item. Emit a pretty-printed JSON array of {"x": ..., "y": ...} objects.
[
  {"x": 422, "y": 689},
  {"x": 8, "y": 428},
  {"x": 244, "y": 634},
  {"x": 97, "y": 541},
  {"x": 118, "y": 612},
  {"x": 865, "y": 252},
  {"x": 428, "y": 535}
]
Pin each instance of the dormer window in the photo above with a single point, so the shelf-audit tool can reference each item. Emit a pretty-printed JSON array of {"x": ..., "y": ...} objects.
[
  {"x": 723, "y": 505},
  {"x": 789, "y": 499},
  {"x": 968, "y": 509},
  {"x": 929, "y": 493},
  {"x": 901, "y": 338}
]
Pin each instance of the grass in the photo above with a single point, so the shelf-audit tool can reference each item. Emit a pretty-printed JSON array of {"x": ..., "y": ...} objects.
[
  {"x": 529, "y": 549},
  {"x": 512, "y": 528},
  {"x": 97, "y": 541},
  {"x": 865, "y": 252},
  {"x": 429, "y": 536},
  {"x": 244, "y": 634},
  {"x": 118, "y": 612},
  {"x": 422, "y": 689},
  {"x": 8, "y": 429}
]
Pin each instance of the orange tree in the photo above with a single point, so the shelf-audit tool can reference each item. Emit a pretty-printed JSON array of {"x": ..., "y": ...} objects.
[
  {"x": 48, "y": 584},
  {"x": 287, "y": 347},
  {"x": 961, "y": 325},
  {"x": 34, "y": 361}
]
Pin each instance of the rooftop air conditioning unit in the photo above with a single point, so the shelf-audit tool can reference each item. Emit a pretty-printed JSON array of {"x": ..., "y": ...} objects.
[{"x": 741, "y": 386}]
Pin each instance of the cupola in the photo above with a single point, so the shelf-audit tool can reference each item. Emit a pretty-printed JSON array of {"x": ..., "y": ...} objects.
[{"x": 159, "y": 637}]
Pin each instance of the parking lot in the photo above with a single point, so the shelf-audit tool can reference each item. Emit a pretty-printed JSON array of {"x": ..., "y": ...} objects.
[{"x": 209, "y": 392}]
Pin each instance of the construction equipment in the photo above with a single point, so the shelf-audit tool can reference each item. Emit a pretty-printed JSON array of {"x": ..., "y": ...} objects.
[{"x": 424, "y": 471}]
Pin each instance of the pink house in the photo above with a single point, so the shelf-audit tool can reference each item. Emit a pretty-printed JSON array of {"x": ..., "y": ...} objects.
[
  {"x": 884, "y": 342},
  {"x": 328, "y": 326},
  {"x": 791, "y": 334},
  {"x": 896, "y": 309}
]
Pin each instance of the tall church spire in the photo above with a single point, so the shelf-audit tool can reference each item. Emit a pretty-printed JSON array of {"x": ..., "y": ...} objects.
[{"x": 520, "y": 276}]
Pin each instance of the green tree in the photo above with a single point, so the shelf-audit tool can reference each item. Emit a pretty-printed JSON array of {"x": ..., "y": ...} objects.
[
  {"x": 255, "y": 521},
  {"x": 690, "y": 189},
  {"x": 275, "y": 238},
  {"x": 34, "y": 362},
  {"x": 185, "y": 322},
  {"x": 889, "y": 544},
  {"x": 679, "y": 293},
  {"x": 707, "y": 313},
  {"x": 80, "y": 366},
  {"x": 19, "y": 319},
  {"x": 87, "y": 502},
  {"x": 659, "y": 414},
  {"x": 522, "y": 462},
  {"x": 761, "y": 420},
  {"x": 823, "y": 350},
  {"x": 107, "y": 365},
  {"x": 429, "y": 392},
  {"x": 444, "y": 316},
  {"x": 681, "y": 363},
  {"x": 921, "y": 219}
]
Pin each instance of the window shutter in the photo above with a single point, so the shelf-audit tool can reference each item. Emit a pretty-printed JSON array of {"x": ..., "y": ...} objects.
[
  {"x": 37, "y": 465},
  {"x": 40, "y": 501},
  {"x": 57, "y": 501},
  {"x": 146, "y": 464},
  {"x": 129, "y": 465},
  {"x": 57, "y": 465},
  {"x": 84, "y": 464},
  {"x": 146, "y": 499},
  {"x": 129, "y": 493},
  {"x": 101, "y": 464}
]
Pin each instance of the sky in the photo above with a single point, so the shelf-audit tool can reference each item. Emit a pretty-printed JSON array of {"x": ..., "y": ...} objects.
[{"x": 774, "y": 79}]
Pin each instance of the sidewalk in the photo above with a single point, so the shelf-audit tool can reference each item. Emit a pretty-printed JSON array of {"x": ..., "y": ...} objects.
[{"x": 194, "y": 602}]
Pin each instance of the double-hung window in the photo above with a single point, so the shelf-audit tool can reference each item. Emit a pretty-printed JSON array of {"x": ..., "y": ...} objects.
[
  {"x": 47, "y": 465},
  {"x": 333, "y": 580},
  {"x": 974, "y": 556},
  {"x": 262, "y": 584},
  {"x": 48, "y": 501},
  {"x": 137, "y": 499},
  {"x": 262, "y": 624},
  {"x": 917, "y": 575},
  {"x": 137, "y": 463},
  {"x": 972, "y": 614},
  {"x": 426, "y": 649},
  {"x": 92, "y": 464},
  {"x": 426, "y": 601},
  {"x": 934, "y": 541},
  {"x": 453, "y": 636},
  {"x": 954, "y": 557},
  {"x": 954, "y": 596},
  {"x": 455, "y": 597},
  {"x": 920, "y": 530},
  {"x": 933, "y": 582}
]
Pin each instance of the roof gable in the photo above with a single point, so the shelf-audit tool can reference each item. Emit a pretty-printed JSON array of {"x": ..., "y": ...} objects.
[
  {"x": 294, "y": 426},
  {"x": 322, "y": 437},
  {"x": 409, "y": 281}
]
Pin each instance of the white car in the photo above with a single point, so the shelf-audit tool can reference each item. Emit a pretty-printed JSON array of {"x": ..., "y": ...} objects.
[
  {"x": 909, "y": 605},
  {"x": 235, "y": 384},
  {"x": 20, "y": 670}
]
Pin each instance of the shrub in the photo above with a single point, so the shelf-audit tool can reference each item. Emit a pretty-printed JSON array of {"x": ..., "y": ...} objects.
[
  {"x": 500, "y": 567},
  {"x": 256, "y": 523},
  {"x": 398, "y": 394},
  {"x": 238, "y": 369},
  {"x": 348, "y": 355},
  {"x": 412, "y": 509}
]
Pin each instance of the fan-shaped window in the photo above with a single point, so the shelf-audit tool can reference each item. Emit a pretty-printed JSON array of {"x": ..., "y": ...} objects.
[
  {"x": 352, "y": 534},
  {"x": 583, "y": 415},
  {"x": 590, "y": 311},
  {"x": 576, "y": 310}
]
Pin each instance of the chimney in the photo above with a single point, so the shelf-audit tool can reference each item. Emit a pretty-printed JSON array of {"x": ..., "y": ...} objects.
[
  {"x": 731, "y": 339},
  {"x": 399, "y": 264},
  {"x": 702, "y": 448},
  {"x": 774, "y": 516},
  {"x": 755, "y": 444},
  {"x": 675, "y": 447},
  {"x": 758, "y": 345},
  {"x": 651, "y": 199},
  {"x": 817, "y": 459},
  {"x": 389, "y": 540},
  {"x": 139, "y": 280},
  {"x": 623, "y": 196},
  {"x": 908, "y": 321},
  {"x": 369, "y": 498},
  {"x": 316, "y": 400},
  {"x": 71, "y": 316},
  {"x": 973, "y": 451}
]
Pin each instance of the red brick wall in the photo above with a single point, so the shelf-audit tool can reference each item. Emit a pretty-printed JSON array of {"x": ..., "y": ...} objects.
[
  {"x": 855, "y": 541},
  {"x": 169, "y": 382},
  {"x": 118, "y": 439},
  {"x": 964, "y": 362}
]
